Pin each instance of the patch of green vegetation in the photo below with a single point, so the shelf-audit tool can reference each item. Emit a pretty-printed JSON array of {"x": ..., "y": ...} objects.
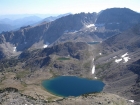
[
  {"x": 22, "y": 74},
  {"x": 95, "y": 94},
  {"x": 3, "y": 78},
  {"x": 54, "y": 74},
  {"x": 103, "y": 67},
  {"x": 24, "y": 84},
  {"x": 87, "y": 64},
  {"x": 86, "y": 53},
  {"x": 99, "y": 56},
  {"x": 63, "y": 58},
  {"x": 51, "y": 98}
]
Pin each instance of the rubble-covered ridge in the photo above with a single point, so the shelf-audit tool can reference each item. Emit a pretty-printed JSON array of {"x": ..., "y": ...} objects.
[{"x": 10, "y": 96}]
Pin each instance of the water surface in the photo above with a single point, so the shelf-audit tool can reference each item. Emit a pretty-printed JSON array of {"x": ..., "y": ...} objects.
[{"x": 72, "y": 86}]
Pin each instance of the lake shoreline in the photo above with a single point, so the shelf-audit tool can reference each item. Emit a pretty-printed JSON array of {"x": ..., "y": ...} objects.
[{"x": 86, "y": 81}]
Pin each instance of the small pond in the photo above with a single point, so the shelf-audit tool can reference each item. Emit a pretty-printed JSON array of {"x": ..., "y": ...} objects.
[{"x": 72, "y": 86}]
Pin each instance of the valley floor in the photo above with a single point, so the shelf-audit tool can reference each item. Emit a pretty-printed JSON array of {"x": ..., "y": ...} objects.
[{"x": 32, "y": 93}]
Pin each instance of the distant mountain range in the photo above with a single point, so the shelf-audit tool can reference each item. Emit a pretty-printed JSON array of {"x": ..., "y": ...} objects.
[
  {"x": 7, "y": 24},
  {"x": 52, "y": 18}
]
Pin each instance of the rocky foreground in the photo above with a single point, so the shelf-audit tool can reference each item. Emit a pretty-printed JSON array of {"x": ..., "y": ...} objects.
[{"x": 11, "y": 96}]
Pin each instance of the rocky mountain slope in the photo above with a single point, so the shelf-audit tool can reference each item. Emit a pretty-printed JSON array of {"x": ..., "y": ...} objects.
[
  {"x": 41, "y": 35},
  {"x": 21, "y": 77},
  {"x": 78, "y": 27},
  {"x": 13, "y": 96},
  {"x": 119, "y": 63},
  {"x": 74, "y": 45}
]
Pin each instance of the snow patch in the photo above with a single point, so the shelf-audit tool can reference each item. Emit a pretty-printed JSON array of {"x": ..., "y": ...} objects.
[
  {"x": 14, "y": 49},
  {"x": 25, "y": 42},
  {"x": 124, "y": 55},
  {"x": 95, "y": 77},
  {"x": 95, "y": 28},
  {"x": 93, "y": 69},
  {"x": 118, "y": 60},
  {"x": 131, "y": 101},
  {"x": 90, "y": 25},
  {"x": 46, "y": 45},
  {"x": 100, "y": 53},
  {"x": 126, "y": 59}
]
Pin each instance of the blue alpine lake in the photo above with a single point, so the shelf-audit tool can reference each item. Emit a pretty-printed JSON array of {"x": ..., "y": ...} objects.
[{"x": 72, "y": 86}]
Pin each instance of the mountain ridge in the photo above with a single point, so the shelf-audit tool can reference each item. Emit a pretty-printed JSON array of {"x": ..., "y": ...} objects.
[{"x": 65, "y": 26}]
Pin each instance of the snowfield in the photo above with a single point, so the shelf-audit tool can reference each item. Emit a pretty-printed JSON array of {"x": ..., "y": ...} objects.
[
  {"x": 93, "y": 69},
  {"x": 125, "y": 58},
  {"x": 118, "y": 60}
]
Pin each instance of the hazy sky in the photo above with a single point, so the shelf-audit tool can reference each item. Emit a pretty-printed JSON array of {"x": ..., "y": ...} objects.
[{"x": 63, "y": 6}]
